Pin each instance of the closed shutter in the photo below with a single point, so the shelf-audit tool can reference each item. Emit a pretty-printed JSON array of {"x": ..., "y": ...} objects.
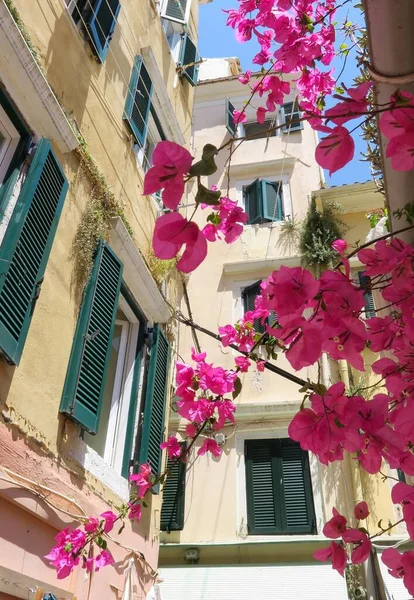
[
  {"x": 101, "y": 24},
  {"x": 278, "y": 488},
  {"x": 230, "y": 124},
  {"x": 173, "y": 497},
  {"x": 189, "y": 56},
  {"x": 88, "y": 363},
  {"x": 253, "y": 202},
  {"x": 26, "y": 247},
  {"x": 174, "y": 10},
  {"x": 249, "y": 294},
  {"x": 365, "y": 283},
  {"x": 291, "y": 112},
  {"x": 155, "y": 401},
  {"x": 272, "y": 200},
  {"x": 138, "y": 102}
]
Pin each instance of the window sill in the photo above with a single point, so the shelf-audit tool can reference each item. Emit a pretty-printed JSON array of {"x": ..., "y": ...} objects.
[{"x": 283, "y": 539}]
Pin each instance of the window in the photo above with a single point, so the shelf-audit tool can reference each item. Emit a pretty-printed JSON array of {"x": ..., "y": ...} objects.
[
  {"x": 175, "y": 10},
  {"x": 278, "y": 488},
  {"x": 188, "y": 58},
  {"x": 365, "y": 284},
  {"x": 263, "y": 201},
  {"x": 290, "y": 112},
  {"x": 26, "y": 245},
  {"x": 230, "y": 124},
  {"x": 173, "y": 497},
  {"x": 138, "y": 101},
  {"x": 15, "y": 139},
  {"x": 155, "y": 134},
  {"x": 259, "y": 130},
  {"x": 249, "y": 294},
  {"x": 99, "y": 18}
]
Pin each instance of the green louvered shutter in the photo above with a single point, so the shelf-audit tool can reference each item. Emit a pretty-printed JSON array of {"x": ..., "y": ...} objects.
[
  {"x": 101, "y": 23},
  {"x": 26, "y": 246},
  {"x": 175, "y": 10},
  {"x": 188, "y": 56},
  {"x": 173, "y": 497},
  {"x": 365, "y": 283},
  {"x": 88, "y": 363},
  {"x": 272, "y": 200},
  {"x": 155, "y": 401},
  {"x": 291, "y": 112},
  {"x": 261, "y": 479},
  {"x": 138, "y": 102},
  {"x": 298, "y": 515},
  {"x": 278, "y": 488},
  {"x": 249, "y": 294},
  {"x": 254, "y": 202},
  {"x": 230, "y": 124}
]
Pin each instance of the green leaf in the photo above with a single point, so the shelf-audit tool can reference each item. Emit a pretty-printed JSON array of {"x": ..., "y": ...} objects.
[
  {"x": 237, "y": 388},
  {"x": 380, "y": 524},
  {"x": 121, "y": 529},
  {"x": 207, "y": 165},
  {"x": 144, "y": 504},
  {"x": 101, "y": 543},
  {"x": 206, "y": 196},
  {"x": 214, "y": 218},
  {"x": 305, "y": 388}
]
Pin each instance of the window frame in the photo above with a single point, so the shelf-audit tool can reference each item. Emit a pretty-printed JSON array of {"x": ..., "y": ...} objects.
[
  {"x": 177, "y": 23},
  {"x": 263, "y": 217},
  {"x": 286, "y": 197},
  {"x": 292, "y": 128},
  {"x": 271, "y": 134}
]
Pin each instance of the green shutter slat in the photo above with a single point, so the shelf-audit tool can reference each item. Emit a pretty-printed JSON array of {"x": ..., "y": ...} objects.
[
  {"x": 26, "y": 247},
  {"x": 175, "y": 10},
  {"x": 100, "y": 24},
  {"x": 230, "y": 124},
  {"x": 290, "y": 112},
  {"x": 138, "y": 101},
  {"x": 262, "y": 511},
  {"x": 298, "y": 514},
  {"x": 173, "y": 497},
  {"x": 88, "y": 363},
  {"x": 188, "y": 56},
  {"x": 254, "y": 202},
  {"x": 365, "y": 284},
  {"x": 249, "y": 294},
  {"x": 401, "y": 476},
  {"x": 155, "y": 401},
  {"x": 272, "y": 200}
]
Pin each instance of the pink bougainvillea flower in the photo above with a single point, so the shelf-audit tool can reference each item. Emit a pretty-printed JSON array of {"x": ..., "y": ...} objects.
[
  {"x": 198, "y": 356},
  {"x": 288, "y": 290},
  {"x": 260, "y": 365},
  {"x": 191, "y": 430},
  {"x": 261, "y": 115},
  {"x": 336, "y": 553},
  {"x": 243, "y": 363},
  {"x": 171, "y": 231},
  {"x": 103, "y": 559},
  {"x": 171, "y": 162},
  {"x": 92, "y": 525},
  {"x": 211, "y": 446},
  {"x": 141, "y": 479},
  {"x": 400, "y": 150},
  {"x": 340, "y": 246},
  {"x": 245, "y": 77},
  {"x": 228, "y": 335},
  {"x": 335, "y": 527},
  {"x": 335, "y": 150},
  {"x": 135, "y": 511},
  {"x": 361, "y": 511},
  {"x": 239, "y": 116},
  {"x": 109, "y": 519},
  {"x": 362, "y": 543},
  {"x": 400, "y": 566},
  {"x": 173, "y": 447}
]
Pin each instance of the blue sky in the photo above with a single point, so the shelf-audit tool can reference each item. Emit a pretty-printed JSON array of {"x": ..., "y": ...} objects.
[{"x": 217, "y": 40}]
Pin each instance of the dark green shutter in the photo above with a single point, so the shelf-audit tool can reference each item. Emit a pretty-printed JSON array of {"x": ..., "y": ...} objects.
[
  {"x": 175, "y": 10},
  {"x": 365, "y": 284},
  {"x": 401, "y": 476},
  {"x": 272, "y": 200},
  {"x": 188, "y": 56},
  {"x": 155, "y": 401},
  {"x": 101, "y": 24},
  {"x": 26, "y": 247},
  {"x": 88, "y": 363},
  {"x": 249, "y": 294},
  {"x": 253, "y": 202},
  {"x": 230, "y": 124},
  {"x": 291, "y": 112},
  {"x": 138, "y": 101},
  {"x": 173, "y": 497},
  {"x": 278, "y": 488}
]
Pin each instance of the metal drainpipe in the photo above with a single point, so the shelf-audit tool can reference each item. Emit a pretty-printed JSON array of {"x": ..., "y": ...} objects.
[{"x": 391, "y": 46}]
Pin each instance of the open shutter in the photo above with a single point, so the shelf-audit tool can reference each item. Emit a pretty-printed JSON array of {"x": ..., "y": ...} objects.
[
  {"x": 261, "y": 489},
  {"x": 291, "y": 112},
  {"x": 88, "y": 363},
  {"x": 365, "y": 283},
  {"x": 101, "y": 24},
  {"x": 26, "y": 247},
  {"x": 298, "y": 514},
  {"x": 254, "y": 202},
  {"x": 189, "y": 56},
  {"x": 230, "y": 124},
  {"x": 272, "y": 200},
  {"x": 155, "y": 401},
  {"x": 173, "y": 497},
  {"x": 249, "y": 294},
  {"x": 138, "y": 102},
  {"x": 174, "y": 10}
]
